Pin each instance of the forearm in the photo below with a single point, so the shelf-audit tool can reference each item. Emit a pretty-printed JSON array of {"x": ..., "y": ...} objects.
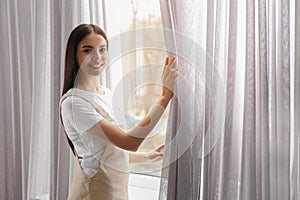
[
  {"x": 132, "y": 139},
  {"x": 143, "y": 128}
]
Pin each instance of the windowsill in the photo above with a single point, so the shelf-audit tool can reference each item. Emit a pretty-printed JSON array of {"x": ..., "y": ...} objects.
[{"x": 143, "y": 187}]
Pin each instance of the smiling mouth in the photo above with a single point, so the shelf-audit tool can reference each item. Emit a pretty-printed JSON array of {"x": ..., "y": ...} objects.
[{"x": 96, "y": 66}]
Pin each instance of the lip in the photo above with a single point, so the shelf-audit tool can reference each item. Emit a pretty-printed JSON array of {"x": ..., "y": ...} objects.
[{"x": 96, "y": 66}]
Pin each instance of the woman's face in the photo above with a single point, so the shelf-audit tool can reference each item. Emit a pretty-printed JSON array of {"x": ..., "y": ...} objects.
[{"x": 92, "y": 54}]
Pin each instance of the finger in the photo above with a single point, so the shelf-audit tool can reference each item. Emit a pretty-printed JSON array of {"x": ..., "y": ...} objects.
[
  {"x": 172, "y": 61},
  {"x": 158, "y": 158},
  {"x": 166, "y": 61},
  {"x": 168, "y": 69},
  {"x": 166, "y": 65},
  {"x": 160, "y": 150},
  {"x": 174, "y": 70},
  {"x": 175, "y": 73},
  {"x": 160, "y": 147},
  {"x": 159, "y": 154}
]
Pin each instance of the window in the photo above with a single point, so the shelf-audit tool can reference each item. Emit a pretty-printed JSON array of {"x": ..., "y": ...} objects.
[{"x": 141, "y": 64}]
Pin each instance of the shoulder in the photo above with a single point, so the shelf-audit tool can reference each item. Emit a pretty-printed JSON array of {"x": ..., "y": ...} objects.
[
  {"x": 76, "y": 104},
  {"x": 74, "y": 99},
  {"x": 71, "y": 101}
]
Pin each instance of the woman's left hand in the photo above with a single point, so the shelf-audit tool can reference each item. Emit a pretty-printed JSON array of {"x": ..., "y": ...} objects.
[{"x": 156, "y": 154}]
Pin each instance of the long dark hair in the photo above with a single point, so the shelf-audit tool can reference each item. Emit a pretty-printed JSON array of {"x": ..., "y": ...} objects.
[{"x": 71, "y": 65}]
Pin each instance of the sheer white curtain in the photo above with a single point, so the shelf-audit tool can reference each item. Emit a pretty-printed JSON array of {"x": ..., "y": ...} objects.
[
  {"x": 239, "y": 90},
  {"x": 35, "y": 157}
]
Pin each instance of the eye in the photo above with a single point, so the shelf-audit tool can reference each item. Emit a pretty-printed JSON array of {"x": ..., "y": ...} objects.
[
  {"x": 103, "y": 50},
  {"x": 87, "y": 50}
]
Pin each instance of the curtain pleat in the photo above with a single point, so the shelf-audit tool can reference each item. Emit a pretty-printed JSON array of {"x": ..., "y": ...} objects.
[
  {"x": 295, "y": 175},
  {"x": 215, "y": 73},
  {"x": 262, "y": 129},
  {"x": 229, "y": 170},
  {"x": 272, "y": 40},
  {"x": 248, "y": 179},
  {"x": 59, "y": 176},
  {"x": 210, "y": 33}
]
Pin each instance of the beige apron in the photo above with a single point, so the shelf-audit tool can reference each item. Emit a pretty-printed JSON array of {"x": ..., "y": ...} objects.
[{"x": 111, "y": 180}]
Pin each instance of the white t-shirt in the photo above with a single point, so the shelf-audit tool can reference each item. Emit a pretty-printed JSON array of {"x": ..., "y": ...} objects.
[{"x": 79, "y": 116}]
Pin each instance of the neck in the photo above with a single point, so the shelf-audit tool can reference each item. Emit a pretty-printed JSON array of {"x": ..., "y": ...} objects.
[{"x": 87, "y": 83}]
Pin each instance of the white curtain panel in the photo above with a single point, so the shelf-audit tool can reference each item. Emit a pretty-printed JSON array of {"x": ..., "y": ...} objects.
[
  {"x": 35, "y": 157},
  {"x": 233, "y": 131}
]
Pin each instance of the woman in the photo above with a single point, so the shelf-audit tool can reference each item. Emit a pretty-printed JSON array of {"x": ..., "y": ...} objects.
[{"x": 101, "y": 168}]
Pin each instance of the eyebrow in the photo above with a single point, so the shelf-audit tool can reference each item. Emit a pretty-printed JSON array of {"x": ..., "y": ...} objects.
[{"x": 89, "y": 46}]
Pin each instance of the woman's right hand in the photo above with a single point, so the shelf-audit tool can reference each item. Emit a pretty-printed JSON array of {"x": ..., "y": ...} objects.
[{"x": 169, "y": 76}]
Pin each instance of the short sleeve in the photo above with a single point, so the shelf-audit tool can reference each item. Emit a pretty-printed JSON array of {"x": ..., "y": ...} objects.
[{"x": 80, "y": 114}]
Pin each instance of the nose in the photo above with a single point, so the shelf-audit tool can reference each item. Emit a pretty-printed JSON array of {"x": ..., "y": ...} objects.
[{"x": 96, "y": 56}]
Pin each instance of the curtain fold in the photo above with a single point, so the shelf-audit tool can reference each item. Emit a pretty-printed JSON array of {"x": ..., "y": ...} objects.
[
  {"x": 248, "y": 179},
  {"x": 295, "y": 175},
  {"x": 229, "y": 155},
  {"x": 249, "y": 137}
]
